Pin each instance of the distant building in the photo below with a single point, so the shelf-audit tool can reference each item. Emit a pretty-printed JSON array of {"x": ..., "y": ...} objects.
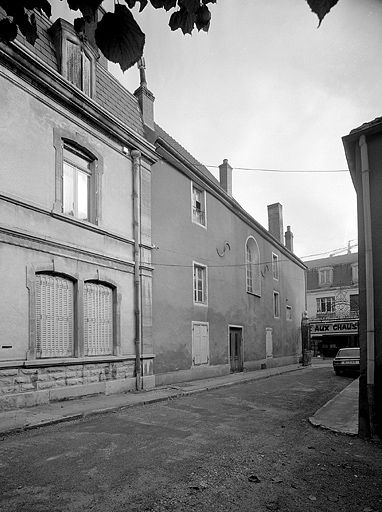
[{"x": 332, "y": 303}]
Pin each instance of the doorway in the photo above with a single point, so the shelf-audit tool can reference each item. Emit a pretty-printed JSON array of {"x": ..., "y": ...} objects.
[{"x": 236, "y": 349}]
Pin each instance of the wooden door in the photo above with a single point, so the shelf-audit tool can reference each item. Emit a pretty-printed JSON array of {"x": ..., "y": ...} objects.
[{"x": 236, "y": 349}]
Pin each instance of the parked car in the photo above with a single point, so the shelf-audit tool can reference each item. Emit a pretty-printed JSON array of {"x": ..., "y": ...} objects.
[{"x": 346, "y": 360}]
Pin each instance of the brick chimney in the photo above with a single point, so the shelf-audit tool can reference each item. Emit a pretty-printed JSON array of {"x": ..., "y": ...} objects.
[
  {"x": 145, "y": 98},
  {"x": 289, "y": 239},
  {"x": 275, "y": 221},
  {"x": 225, "y": 174}
]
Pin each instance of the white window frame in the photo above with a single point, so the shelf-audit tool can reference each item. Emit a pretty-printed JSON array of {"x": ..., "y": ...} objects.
[
  {"x": 200, "y": 212},
  {"x": 325, "y": 300},
  {"x": 80, "y": 145},
  {"x": 200, "y": 357},
  {"x": 252, "y": 267},
  {"x": 276, "y": 304},
  {"x": 325, "y": 276},
  {"x": 195, "y": 267},
  {"x": 275, "y": 266}
]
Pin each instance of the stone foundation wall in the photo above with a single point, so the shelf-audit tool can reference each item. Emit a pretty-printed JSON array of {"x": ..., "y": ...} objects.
[{"x": 23, "y": 387}]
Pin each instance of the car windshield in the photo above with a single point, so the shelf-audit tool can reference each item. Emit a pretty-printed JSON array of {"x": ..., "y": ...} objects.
[{"x": 348, "y": 352}]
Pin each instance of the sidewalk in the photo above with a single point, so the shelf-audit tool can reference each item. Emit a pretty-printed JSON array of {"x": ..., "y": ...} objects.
[{"x": 56, "y": 412}]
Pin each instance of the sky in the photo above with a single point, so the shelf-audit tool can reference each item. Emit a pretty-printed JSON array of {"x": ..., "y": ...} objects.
[{"x": 267, "y": 89}]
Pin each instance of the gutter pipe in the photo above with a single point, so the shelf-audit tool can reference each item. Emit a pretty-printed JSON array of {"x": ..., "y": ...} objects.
[{"x": 136, "y": 156}]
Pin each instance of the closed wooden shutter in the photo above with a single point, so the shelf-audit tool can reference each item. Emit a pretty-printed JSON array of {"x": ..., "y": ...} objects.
[
  {"x": 200, "y": 344},
  {"x": 98, "y": 319},
  {"x": 86, "y": 79},
  {"x": 54, "y": 316},
  {"x": 74, "y": 64}
]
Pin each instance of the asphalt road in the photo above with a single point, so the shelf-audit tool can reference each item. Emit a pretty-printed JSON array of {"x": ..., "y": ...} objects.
[{"x": 248, "y": 447}]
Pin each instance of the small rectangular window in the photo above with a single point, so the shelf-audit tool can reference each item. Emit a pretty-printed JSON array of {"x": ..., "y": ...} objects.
[
  {"x": 275, "y": 266},
  {"x": 276, "y": 304},
  {"x": 200, "y": 284},
  {"x": 198, "y": 206},
  {"x": 325, "y": 276},
  {"x": 325, "y": 305},
  {"x": 354, "y": 303},
  {"x": 289, "y": 312},
  {"x": 354, "y": 273}
]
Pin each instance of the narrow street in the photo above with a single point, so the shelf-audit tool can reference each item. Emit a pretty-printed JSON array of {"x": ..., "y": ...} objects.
[{"x": 248, "y": 447}]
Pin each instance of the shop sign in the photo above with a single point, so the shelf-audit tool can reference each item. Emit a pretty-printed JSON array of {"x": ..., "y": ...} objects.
[{"x": 334, "y": 328}]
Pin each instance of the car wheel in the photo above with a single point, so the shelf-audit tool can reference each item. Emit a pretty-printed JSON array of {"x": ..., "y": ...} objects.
[{"x": 337, "y": 372}]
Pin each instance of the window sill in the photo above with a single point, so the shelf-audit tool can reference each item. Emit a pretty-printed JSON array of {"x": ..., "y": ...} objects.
[
  {"x": 69, "y": 361},
  {"x": 254, "y": 294}
]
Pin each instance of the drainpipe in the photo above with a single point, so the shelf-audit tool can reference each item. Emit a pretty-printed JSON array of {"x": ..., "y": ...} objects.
[
  {"x": 136, "y": 155},
  {"x": 370, "y": 340}
]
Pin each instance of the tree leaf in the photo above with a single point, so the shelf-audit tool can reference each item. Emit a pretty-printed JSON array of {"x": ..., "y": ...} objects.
[
  {"x": 182, "y": 19},
  {"x": 190, "y": 5},
  {"x": 12, "y": 8},
  {"x": 203, "y": 18},
  {"x": 119, "y": 37},
  {"x": 79, "y": 25},
  {"x": 131, "y": 4},
  {"x": 88, "y": 8},
  {"x": 321, "y": 7},
  {"x": 40, "y": 5},
  {"x": 8, "y": 30},
  {"x": 28, "y": 27}
]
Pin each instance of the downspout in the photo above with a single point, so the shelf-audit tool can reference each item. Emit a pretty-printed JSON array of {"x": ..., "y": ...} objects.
[
  {"x": 136, "y": 155},
  {"x": 370, "y": 339}
]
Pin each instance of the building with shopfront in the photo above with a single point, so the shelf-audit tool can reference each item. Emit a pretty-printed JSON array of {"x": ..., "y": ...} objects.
[{"x": 332, "y": 303}]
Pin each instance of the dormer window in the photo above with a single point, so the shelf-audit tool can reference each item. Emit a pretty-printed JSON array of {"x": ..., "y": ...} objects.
[
  {"x": 78, "y": 67},
  {"x": 325, "y": 276},
  {"x": 76, "y": 56}
]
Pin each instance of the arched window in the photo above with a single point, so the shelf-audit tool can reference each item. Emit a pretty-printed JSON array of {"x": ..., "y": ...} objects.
[
  {"x": 252, "y": 267},
  {"x": 54, "y": 316},
  {"x": 98, "y": 319}
]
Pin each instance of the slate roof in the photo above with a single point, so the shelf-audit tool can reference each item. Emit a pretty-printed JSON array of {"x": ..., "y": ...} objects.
[
  {"x": 332, "y": 261},
  {"x": 110, "y": 93},
  {"x": 184, "y": 153}
]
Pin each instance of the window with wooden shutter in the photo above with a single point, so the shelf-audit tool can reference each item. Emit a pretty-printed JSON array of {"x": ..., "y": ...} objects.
[
  {"x": 200, "y": 344},
  {"x": 54, "y": 316},
  {"x": 78, "y": 67},
  {"x": 98, "y": 319}
]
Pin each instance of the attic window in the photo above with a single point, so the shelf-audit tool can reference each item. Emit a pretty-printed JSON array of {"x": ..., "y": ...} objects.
[
  {"x": 78, "y": 67},
  {"x": 76, "y": 56}
]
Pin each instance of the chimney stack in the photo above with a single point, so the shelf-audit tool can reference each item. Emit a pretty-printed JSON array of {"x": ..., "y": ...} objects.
[
  {"x": 275, "y": 221},
  {"x": 225, "y": 173},
  {"x": 145, "y": 98},
  {"x": 289, "y": 239}
]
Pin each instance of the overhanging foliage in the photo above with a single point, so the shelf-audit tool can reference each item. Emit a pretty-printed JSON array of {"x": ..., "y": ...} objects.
[{"x": 118, "y": 35}]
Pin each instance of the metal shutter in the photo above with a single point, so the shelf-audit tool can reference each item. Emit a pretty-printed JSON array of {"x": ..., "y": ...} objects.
[
  {"x": 54, "y": 316},
  {"x": 98, "y": 319}
]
